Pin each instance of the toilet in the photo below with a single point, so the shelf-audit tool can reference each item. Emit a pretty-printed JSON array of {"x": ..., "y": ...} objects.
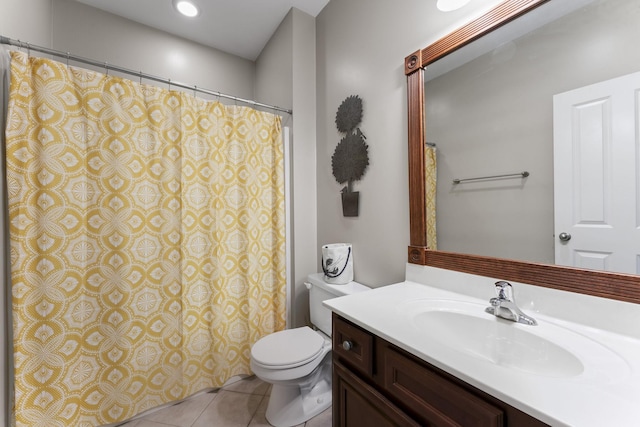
[{"x": 297, "y": 362}]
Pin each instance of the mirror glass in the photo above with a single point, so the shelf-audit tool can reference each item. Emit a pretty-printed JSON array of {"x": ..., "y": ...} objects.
[{"x": 490, "y": 111}]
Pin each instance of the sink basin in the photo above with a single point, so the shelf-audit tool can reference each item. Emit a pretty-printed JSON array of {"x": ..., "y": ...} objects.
[
  {"x": 546, "y": 349},
  {"x": 503, "y": 344}
]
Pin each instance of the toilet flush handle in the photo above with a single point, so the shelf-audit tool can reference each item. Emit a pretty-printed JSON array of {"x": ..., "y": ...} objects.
[
  {"x": 308, "y": 285},
  {"x": 347, "y": 345}
]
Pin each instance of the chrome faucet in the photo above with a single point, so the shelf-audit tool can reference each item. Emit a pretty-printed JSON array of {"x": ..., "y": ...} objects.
[{"x": 504, "y": 305}]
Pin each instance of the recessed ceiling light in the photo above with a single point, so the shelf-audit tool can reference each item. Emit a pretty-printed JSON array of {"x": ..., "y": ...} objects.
[
  {"x": 449, "y": 5},
  {"x": 186, "y": 8}
]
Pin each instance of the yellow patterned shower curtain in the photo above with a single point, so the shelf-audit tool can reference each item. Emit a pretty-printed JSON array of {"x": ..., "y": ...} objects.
[
  {"x": 430, "y": 197},
  {"x": 147, "y": 242}
]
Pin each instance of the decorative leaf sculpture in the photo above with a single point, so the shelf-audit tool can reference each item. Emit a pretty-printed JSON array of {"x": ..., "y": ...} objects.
[
  {"x": 349, "y": 114},
  {"x": 351, "y": 156},
  {"x": 350, "y": 159}
]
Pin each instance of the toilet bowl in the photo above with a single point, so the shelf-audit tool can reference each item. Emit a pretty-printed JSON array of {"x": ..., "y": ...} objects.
[{"x": 297, "y": 362}]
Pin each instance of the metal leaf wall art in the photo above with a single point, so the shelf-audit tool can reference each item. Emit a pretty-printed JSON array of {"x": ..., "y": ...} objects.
[{"x": 351, "y": 156}]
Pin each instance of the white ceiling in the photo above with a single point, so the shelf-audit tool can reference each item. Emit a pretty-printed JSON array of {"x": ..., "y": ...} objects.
[{"x": 239, "y": 27}]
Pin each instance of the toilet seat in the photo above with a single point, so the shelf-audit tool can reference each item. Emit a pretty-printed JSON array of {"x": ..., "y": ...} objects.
[{"x": 288, "y": 349}]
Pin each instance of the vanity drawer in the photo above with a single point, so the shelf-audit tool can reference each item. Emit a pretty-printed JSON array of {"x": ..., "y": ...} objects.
[
  {"x": 352, "y": 345},
  {"x": 434, "y": 399}
]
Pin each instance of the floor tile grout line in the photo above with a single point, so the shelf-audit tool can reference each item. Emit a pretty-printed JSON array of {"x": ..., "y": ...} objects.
[
  {"x": 259, "y": 392},
  {"x": 195, "y": 420},
  {"x": 244, "y": 392},
  {"x": 264, "y": 396}
]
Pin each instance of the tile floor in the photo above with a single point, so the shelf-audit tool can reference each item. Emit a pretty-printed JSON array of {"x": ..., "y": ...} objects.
[{"x": 239, "y": 404}]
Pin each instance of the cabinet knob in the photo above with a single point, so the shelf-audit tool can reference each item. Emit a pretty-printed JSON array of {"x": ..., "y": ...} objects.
[{"x": 347, "y": 345}]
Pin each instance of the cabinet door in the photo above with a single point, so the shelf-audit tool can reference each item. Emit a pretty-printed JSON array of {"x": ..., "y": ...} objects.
[
  {"x": 356, "y": 404},
  {"x": 438, "y": 401}
]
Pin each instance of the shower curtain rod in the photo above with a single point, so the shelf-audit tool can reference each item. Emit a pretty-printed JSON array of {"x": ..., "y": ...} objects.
[{"x": 107, "y": 66}]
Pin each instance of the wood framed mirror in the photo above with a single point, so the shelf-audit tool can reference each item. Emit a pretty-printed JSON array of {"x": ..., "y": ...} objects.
[{"x": 623, "y": 287}]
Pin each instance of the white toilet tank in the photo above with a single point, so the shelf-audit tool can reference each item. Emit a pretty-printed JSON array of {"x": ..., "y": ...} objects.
[{"x": 319, "y": 291}]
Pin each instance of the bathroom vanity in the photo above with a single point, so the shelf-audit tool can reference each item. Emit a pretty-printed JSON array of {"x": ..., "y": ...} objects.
[
  {"x": 425, "y": 352},
  {"x": 378, "y": 384}
]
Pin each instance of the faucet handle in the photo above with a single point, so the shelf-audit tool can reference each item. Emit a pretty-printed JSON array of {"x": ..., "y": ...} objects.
[{"x": 504, "y": 290}]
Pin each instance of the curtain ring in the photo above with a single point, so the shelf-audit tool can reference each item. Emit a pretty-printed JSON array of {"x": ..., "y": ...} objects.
[
  {"x": 140, "y": 75},
  {"x": 68, "y": 54},
  {"x": 28, "y": 50},
  {"x": 195, "y": 90},
  {"x": 169, "y": 82},
  {"x": 106, "y": 68}
]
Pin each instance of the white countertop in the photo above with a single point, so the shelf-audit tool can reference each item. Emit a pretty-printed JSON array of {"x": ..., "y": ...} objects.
[{"x": 606, "y": 393}]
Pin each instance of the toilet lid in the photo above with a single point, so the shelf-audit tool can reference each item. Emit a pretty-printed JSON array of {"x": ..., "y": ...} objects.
[{"x": 289, "y": 348}]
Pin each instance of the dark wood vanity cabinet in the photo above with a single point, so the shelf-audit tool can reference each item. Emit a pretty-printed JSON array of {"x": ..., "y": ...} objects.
[{"x": 376, "y": 384}]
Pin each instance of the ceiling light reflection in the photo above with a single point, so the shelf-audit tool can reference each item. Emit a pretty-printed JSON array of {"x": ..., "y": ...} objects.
[{"x": 186, "y": 8}]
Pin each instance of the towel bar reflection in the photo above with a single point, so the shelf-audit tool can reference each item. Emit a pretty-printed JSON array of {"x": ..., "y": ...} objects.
[{"x": 508, "y": 175}]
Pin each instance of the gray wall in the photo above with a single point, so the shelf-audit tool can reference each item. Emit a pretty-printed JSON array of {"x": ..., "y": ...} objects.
[
  {"x": 26, "y": 20},
  {"x": 286, "y": 74},
  {"x": 89, "y": 32},
  {"x": 361, "y": 46}
]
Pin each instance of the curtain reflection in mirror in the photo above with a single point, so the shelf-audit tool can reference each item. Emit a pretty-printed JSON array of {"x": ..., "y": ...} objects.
[{"x": 430, "y": 184}]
